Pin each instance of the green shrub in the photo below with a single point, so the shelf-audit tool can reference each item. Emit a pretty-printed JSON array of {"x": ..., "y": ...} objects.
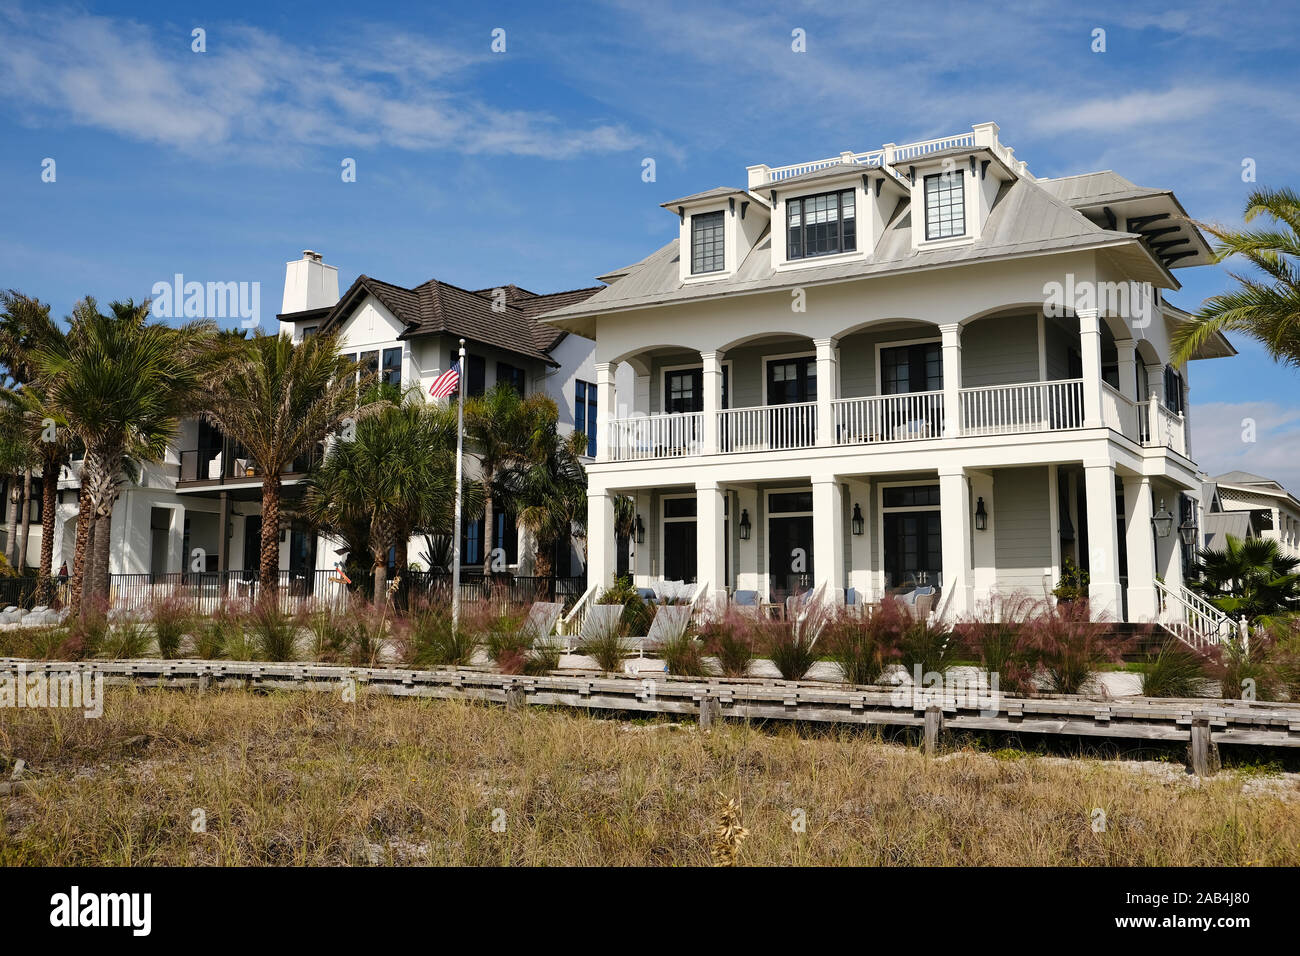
[
  {"x": 433, "y": 642},
  {"x": 215, "y": 635},
  {"x": 1245, "y": 670},
  {"x": 544, "y": 656},
  {"x": 636, "y": 613},
  {"x": 608, "y": 647},
  {"x": 1175, "y": 670}
]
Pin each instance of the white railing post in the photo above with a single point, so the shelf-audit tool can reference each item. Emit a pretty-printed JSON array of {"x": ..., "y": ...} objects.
[{"x": 606, "y": 397}]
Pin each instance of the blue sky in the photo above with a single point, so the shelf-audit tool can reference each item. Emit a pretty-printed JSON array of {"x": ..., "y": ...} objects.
[{"x": 481, "y": 168}]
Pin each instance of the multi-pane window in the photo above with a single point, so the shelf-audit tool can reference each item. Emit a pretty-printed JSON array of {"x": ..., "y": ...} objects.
[
  {"x": 391, "y": 369},
  {"x": 821, "y": 225},
  {"x": 945, "y": 205},
  {"x": 512, "y": 375},
  {"x": 707, "y": 243},
  {"x": 584, "y": 413},
  {"x": 911, "y": 368}
]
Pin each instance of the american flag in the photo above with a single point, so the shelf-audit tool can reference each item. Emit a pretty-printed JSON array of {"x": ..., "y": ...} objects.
[{"x": 445, "y": 383}]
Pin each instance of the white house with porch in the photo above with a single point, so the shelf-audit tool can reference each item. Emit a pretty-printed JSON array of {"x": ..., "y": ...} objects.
[{"x": 918, "y": 366}]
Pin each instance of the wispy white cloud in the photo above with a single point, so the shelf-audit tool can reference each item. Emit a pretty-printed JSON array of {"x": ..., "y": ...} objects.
[
  {"x": 256, "y": 93},
  {"x": 1259, "y": 437}
]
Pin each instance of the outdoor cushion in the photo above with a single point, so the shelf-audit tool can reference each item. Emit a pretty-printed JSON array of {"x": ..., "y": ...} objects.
[{"x": 745, "y": 598}]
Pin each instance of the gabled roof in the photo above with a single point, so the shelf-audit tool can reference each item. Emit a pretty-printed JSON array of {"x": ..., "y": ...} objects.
[
  {"x": 435, "y": 307},
  {"x": 1250, "y": 484},
  {"x": 1024, "y": 220},
  {"x": 718, "y": 192},
  {"x": 1220, "y": 524}
]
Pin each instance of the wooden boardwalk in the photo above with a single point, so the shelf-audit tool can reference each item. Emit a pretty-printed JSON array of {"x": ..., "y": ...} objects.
[{"x": 1220, "y": 722}]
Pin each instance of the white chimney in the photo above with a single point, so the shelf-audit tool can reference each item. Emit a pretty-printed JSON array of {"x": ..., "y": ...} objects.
[{"x": 309, "y": 284}]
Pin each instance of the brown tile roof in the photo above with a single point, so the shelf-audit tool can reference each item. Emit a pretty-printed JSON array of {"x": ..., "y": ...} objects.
[{"x": 435, "y": 307}]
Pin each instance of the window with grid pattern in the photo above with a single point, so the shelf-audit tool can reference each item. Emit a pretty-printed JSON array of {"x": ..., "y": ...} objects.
[
  {"x": 945, "y": 205},
  {"x": 707, "y": 241},
  {"x": 821, "y": 225}
]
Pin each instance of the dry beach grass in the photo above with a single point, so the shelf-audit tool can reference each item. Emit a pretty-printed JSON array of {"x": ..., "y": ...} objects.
[{"x": 287, "y": 778}]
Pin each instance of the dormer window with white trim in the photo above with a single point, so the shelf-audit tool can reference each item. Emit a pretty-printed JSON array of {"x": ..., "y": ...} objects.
[
  {"x": 708, "y": 242},
  {"x": 945, "y": 205},
  {"x": 821, "y": 225}
]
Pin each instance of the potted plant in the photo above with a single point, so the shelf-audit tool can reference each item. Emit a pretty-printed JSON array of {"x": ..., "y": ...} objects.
[{"x": 1073, "y": 584}]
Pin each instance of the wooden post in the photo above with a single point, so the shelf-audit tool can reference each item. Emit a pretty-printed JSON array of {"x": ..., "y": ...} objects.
[
  {"x": 1204, "y": 751},
  {"x": 204, "y": 681},
  {"x": 933, "y": 724},
  {"x": 516, "y": 699},
  {"x": 709, "y": 708}
]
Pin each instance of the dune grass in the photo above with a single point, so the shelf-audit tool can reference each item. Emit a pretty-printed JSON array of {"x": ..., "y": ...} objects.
[{"x": 294, "y": 778}]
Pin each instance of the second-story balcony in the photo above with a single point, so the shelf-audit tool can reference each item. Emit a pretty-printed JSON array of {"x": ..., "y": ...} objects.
[
  {"x": 1025, "y": 408},
  {"x": 201, "y": 467}
]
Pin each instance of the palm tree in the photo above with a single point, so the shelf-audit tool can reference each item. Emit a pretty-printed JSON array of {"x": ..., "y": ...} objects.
[
  {"x": 394, "y": 478},
  {"x": 1265, "y": 307},
  {"x": 122, "y": 384},
  {"x": 551, "y": 489},
  {"x": 1251, "y": 578},
  {"x": 499, "y": 427},
  {"x": 279, "y": 401}
]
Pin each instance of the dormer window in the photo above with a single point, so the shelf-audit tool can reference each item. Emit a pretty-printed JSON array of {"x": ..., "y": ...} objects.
[
  {"x": 707, "y": 242},
  {"x": 821, "y": 225},
  {"x": 945, "y": 205}
]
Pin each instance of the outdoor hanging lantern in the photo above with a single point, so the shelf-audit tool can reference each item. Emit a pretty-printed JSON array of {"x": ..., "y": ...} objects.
[
  {"x": 857, "y": 519},
  {"x": 640, "y": 530},
  {"x": 981, "y": 516},
  {"x": 1188, "y": 531},
  {"x": 744, "y": 524},
  {"x": 1163, "y": 521}
]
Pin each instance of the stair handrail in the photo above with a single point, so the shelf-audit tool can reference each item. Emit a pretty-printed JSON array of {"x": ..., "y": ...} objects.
[
  {"x": 1198, "y": 618},
  {"x": 572, "y": 622}
]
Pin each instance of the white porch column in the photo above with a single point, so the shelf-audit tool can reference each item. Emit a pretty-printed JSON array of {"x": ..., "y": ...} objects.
[
  {"x": 641, "y": 549},
  {"x": 955, "y": 529},
  {"x": 828, "y": 388},
  {"x": 606, "y": 408},
  {"x": 1103, "y": 540},
  {"x": 983, "y": 551},
  {"x": 602, "y": 559},
  {"x": 177, "y": 559},
  {"x": 1139, "y": 540},
  {"x": 951, "y": 379},
  {"x": 711, "y": 555},
  {"x": 828, "y": 536},
  {"x": 1187, "y": 414},
  {"x": 1127, "y": 351},
  {"x": 712, "y": 384},
  {"x": 1090, "y": 352}
]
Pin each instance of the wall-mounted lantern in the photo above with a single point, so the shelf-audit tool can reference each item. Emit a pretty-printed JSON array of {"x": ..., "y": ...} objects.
[
  {"x": 1188, "y": 531},
  {"x": 640, "y": 530},
  {"x": 858, "y": 524},
  {"x": 744, "y": 524},
  {"x": 1163, "y": 521},
  {"x": 981, "y": 516}
]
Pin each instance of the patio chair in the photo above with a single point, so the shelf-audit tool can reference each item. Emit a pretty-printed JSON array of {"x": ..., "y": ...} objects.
[
  {"x": 648, "y": 595},
  {"x": 540, "y": 623},
  {"x": 599, "y": 621},
  {"x": 669, "y": 623}
]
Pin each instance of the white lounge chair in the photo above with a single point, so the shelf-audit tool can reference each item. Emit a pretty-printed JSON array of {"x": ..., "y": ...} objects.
[
  {"x": 600, "y": 621},
  {"x": 669, "y": 623},
  {"x": 539, "y": 626}
]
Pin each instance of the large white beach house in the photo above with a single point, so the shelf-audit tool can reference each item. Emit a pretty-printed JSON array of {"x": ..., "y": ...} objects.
[{"x": 916, "y": 366}]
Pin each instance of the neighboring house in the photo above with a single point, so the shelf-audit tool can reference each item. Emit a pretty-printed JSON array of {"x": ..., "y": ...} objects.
[
  {"x": 1269, "y": 510},
  {"x": 851, "y": 373},
  {"x": 408, "y": 336}
]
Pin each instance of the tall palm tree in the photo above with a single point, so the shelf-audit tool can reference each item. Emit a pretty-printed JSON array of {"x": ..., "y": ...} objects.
[
  {"x": 123, "y": 384},
  {"x": 551, "y": 488},
  {"x": 1265, "y": 307},
  {"x": 498, "y": 428},
  {"x": 1251, "y": 578},
  {"x": 394, "y": 478},
  {"x": 279, "y": 400}
]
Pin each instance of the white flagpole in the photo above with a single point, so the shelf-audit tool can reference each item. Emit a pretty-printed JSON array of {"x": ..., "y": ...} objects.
[{"x": 455, "y": 531}]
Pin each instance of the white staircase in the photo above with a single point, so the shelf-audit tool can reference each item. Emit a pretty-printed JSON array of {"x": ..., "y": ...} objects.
[{"x": 1191, "y": 618}]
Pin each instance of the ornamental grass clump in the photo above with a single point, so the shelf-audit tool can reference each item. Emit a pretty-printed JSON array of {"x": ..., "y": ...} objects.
[
  {"x": 273, "y": 632},
  {"x": 729, "y": 638},
  {"x": 863, "y": 644},
  {"x": 1071, "y": 648},
  {"x": 1174, "y": 670},
  {"x": 998, "y": 638},
  {"x": 173, "y": 619}
]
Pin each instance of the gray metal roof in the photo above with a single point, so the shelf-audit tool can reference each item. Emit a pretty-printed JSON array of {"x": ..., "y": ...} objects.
[
  {"x": 717, "y": 192},
  {"x": 1024, "y": 220},
  {"x": 1220, "y": 524},
  {"x": 1088, "y": 189}
]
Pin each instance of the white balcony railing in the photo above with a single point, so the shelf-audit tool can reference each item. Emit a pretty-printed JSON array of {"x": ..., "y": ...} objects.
[
  {"x": 1012, "y": 409},
  {"x": 878, "y": 419},
  {"x": 768, "y": 427},
  {"x": 655, "y": 436},
  {"x": 1119, "y": 412},
  {"x": 1166, "y": 428},
  {"x": 887, "y": 418}
]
